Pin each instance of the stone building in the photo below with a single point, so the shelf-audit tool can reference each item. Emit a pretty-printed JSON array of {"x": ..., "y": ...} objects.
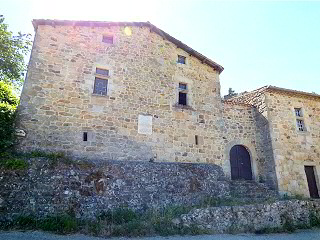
[{"x": 130, "y": 91}]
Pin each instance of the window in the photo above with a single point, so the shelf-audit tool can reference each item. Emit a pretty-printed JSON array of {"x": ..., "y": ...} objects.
[
  {"x": 181, "y": 59},
  {"x": 85, "y": 136},
  {"x": 183, "y": 91},
  {"x": 107, "y": 39},
  {"x": 100, "y": 86},
  {"x": 201, "y": 119},
  {"x": 196, "y": 140},
  {"x": 299, "y": 119},
  {"x": 298, "y": 112},
  {"x": 103, "y": 72},
  {"x": 300, "y": 125}
]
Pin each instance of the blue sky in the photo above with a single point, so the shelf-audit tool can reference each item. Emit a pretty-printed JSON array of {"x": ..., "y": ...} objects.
[{"x": 257, "y": 42}]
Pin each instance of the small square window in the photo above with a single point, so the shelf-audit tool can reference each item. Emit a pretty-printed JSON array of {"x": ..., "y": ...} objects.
[
  {"x": 182, "y": 86},
  {"x": 100, "y": 86},
  {"x": 298, "y": 112},
  {"x": 103, "y": 72},
  {"x": 107, "y": 39},
  {"x": 181, "y": 59},
  {"x": 300, "y": 125}
]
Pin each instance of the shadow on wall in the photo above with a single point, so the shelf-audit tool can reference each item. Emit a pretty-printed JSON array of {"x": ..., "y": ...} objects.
[
  {"x": 266, "y": 164},
  {"x": 104, "y": 145}
]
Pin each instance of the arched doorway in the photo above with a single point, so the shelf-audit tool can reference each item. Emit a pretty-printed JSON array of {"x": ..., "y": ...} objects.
[{"x": 240, "y": 163}]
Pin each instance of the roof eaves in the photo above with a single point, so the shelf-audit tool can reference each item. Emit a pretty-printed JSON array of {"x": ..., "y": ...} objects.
[{"x": 291, "y": 91}]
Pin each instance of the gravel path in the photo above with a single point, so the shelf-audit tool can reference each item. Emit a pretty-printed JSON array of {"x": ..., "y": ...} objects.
[{"x": 301, "y": 235}]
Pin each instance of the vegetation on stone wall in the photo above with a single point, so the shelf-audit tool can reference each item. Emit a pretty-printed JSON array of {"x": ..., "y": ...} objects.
[{"x": 117, "y": 222}]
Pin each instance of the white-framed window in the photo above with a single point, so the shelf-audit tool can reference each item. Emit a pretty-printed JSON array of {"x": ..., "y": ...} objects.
[
  {"x": 100, "y": 86},
  {"x": 299, "y": 120},
  {"x": 183, "y": 94}
]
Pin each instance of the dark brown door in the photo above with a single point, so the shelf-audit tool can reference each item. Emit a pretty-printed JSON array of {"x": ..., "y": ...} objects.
[
  {"x": 312, "y": 184},
  {"x": 240, "y": 163}
]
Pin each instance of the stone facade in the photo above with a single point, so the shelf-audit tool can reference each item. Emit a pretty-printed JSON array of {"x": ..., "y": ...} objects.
[
  {"x": 294, "y": 149},
  {"x": 138, "y": 117},
  {"x": 290, "y": 149}
]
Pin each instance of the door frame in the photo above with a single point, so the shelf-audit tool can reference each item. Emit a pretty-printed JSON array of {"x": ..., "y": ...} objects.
[
  {"x": 253, "y": 158},
  {"x": 242, "y": 164},
  {"x": 316, "y": 170}
]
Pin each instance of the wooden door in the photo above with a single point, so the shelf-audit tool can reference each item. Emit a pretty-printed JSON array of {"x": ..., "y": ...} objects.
[
  {"x": 312, "y": 183},
  {"x": 240, "y": 163}
]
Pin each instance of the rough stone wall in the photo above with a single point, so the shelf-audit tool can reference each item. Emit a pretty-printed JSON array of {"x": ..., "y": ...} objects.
[
  {"x": 239, "y": 129},
  {"x": 89, "y": 189},
  {"x": 58, "y": 104},
  {"x": 292, "y": 148},
  {"x": 252, "y": 218},
  {"x": 266, "y": 166}
]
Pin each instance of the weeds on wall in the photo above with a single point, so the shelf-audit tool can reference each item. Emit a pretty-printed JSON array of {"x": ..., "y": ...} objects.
[
  {"x": 11, "y": 162},
  {"x": 119, "y": 222}
]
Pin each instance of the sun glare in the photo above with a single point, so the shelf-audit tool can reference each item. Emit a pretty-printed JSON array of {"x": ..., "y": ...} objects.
[{"x": 127, "y": 31}]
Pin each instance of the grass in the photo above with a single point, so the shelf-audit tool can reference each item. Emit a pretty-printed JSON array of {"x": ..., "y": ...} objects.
[
  {"x": 288, "y": 226},
  {"x": 11, "y": 162},
  {"x": 18, "y": 161},
  {"x": 119, "y": 222}
]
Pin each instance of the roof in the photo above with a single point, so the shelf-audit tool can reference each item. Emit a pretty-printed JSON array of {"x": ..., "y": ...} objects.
[
  {"x": 248, "y": 96},
  {"x": 269, "y": 87},
  {"x": 202, "y": 58}
]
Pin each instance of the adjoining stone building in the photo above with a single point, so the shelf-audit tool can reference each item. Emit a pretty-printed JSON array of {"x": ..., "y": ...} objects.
[{"x": 130, "y": 91}]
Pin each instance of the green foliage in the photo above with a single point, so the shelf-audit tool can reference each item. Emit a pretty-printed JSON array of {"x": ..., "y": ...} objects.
[
  {"x": 287, "y": 223},
  {"x": 7, "y": 131},
  {"x": 7, "y": 95},
  {"x": 53, "y": 157},
  {"x": 314, "y": 219},
  {"x": 8, "y": 103},
  {"x": 61, "y": 224},
  {"x": 118, "y": 216},
  {"x": 12, "y": 52},
  {"x": 11, "y": 162}
]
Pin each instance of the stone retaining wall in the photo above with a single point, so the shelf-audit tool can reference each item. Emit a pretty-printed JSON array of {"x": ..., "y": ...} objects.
[
  {"x": 88, "y": 189},
  {"x": 252, "y": 218}
]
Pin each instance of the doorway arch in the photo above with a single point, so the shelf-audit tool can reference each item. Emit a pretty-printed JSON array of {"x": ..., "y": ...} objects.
[{"x": 240, "y": 163}]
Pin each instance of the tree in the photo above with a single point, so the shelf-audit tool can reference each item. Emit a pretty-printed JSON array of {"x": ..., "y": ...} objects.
[
  {"x": 231, "y": 93},
  {"x": 12, "y": 66},
  {"x": 12, "y": 52},
  {"x": 8, "y": 103}
]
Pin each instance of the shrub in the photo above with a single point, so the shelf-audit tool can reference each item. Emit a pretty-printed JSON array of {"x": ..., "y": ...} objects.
[
  {"x": 9, "y": 161},
  {"x": 8, "y": 103},
  {"x": 7, "y": 119}
]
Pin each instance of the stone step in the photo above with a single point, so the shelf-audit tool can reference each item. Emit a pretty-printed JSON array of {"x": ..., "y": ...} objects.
[{"x": 251, "y": 189}]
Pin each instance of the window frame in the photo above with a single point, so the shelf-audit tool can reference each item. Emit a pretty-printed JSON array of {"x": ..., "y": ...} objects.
[
  {"x": 94, "y": 86},
  {"x": 108, "y": 37},
  {"x": 182, "y": 57},
  {"x": 183, "y": 90},
  {"x": 101, "y": 77},
  {"x": 100, "y": 74},
  {"x": 299, "y": 120}
]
